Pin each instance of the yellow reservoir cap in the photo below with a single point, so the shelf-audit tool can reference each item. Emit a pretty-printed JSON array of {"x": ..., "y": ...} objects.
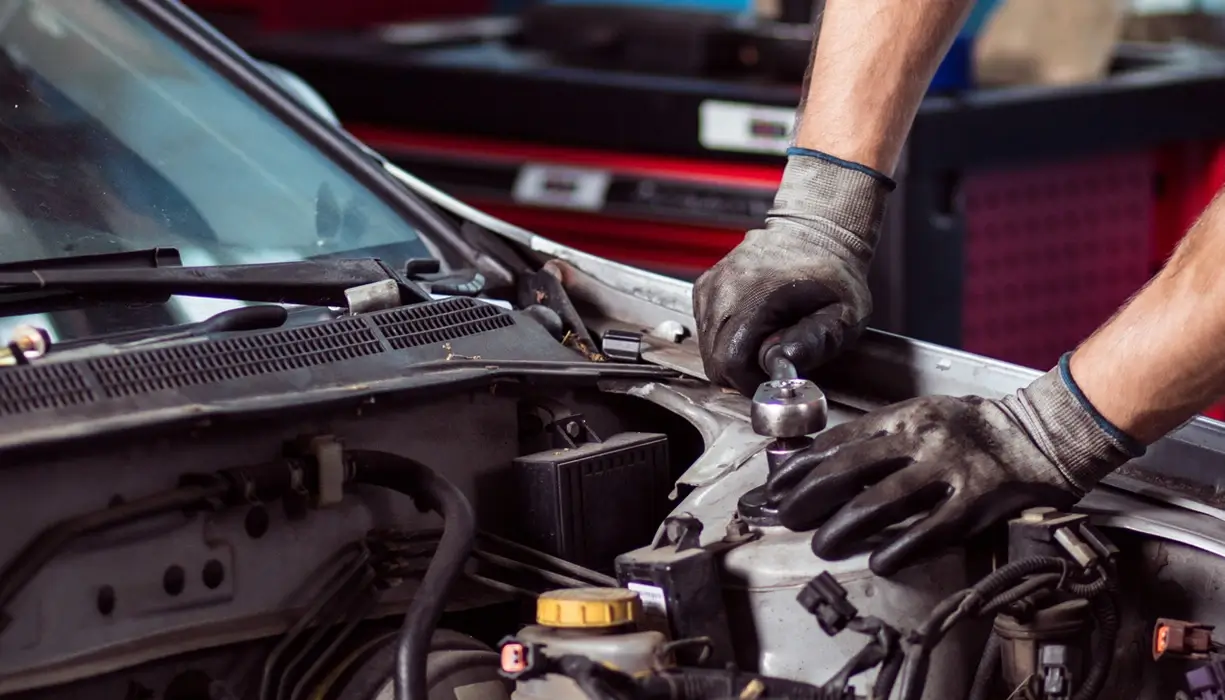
[{"x": 587, "y": 607}]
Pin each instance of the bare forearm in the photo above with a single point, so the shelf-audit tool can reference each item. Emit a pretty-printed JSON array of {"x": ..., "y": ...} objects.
[
  {"x": 1159, "y": 361},
  {"x": 874, "y": 60}
]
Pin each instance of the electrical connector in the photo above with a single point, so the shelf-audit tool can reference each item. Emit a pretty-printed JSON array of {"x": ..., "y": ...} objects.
[
  {"x": 521, "y": 660},
  {"x": 826, "y": 600},
  {"x": 1181, "y": 639}
]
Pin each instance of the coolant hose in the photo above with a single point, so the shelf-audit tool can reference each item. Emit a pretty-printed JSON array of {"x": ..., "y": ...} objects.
[{"x": 430, "y": 492}]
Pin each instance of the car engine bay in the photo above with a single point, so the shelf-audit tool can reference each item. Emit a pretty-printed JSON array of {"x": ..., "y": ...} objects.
[
  {"x": 497, "y": 472},
  {"x": 251, "y": 513}
]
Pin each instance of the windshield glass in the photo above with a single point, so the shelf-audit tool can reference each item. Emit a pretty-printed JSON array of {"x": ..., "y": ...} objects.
[{"x": 114, "y": 137}]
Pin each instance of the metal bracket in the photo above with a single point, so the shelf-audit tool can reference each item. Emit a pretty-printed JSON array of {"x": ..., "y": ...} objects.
[
  {"x": 375, "y": 296},
  {"x": 329, "y": 456}
]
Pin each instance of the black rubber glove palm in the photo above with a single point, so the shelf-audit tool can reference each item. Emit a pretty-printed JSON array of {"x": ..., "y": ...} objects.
[
  {"x": 961, "y": 463},
  {"x": 803, "y": 277}
]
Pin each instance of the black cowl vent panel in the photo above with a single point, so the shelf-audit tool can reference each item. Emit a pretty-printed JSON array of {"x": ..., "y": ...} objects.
[
  {"x": 38, "y": 388},
  {"x": 370, "y": 346},
  {"x": 451, "y": 319},
  {"x": 241, "y": 357}
]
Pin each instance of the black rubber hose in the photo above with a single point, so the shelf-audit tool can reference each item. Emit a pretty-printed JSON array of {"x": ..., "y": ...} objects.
[
  {"x": 886, "y": 677},
  {"x": 429, "y": 491},
  {"x": 1088, "y": 591},
  {"x": 987, "y": 670},
  {"x": 1106, "y": 612},
  {"x": 1011, "y": 573},
  {"x": 914, "y": 676},
  {"x": 45, "y": 546}
]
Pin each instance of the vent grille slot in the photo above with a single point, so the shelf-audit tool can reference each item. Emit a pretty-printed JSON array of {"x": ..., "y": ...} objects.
[
  {"x": 132, "y": 373},
  {"x": 43, "y": 387},
  {"x": 163, "y": 369},
  {"x": 447, "y": 320}
]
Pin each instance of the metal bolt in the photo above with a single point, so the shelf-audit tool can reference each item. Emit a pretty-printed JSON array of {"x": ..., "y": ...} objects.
[
  {"x": 30, "y": 341},
  {"x": 736, "y": 528}
]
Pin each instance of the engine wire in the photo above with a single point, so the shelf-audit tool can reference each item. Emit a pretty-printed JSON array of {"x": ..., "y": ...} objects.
[{"x": 556, "y": 562}]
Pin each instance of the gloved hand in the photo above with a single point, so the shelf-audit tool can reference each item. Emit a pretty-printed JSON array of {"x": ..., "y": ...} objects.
[
  {"x": 965, "y": 462},
  {"x": 803, "y": 277}
]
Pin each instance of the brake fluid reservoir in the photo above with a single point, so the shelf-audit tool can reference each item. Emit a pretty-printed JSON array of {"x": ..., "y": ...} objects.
[
  {"x": 776, "y": 637},
  {"x": 599, "y": 623}
]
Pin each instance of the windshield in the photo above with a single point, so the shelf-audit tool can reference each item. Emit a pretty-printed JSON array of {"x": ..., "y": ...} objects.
[{"x": 114, "y": 137}]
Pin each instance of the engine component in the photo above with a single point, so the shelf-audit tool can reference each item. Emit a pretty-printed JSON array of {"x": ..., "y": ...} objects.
[
  {"x": 600, "y": 681},
  {"x": 762, "y": 579},
  {"x": 592, "y": 501},
  {"x": 678, "y": 582},
  {"x": 1207, "y": 682},
  {"x": 621, "y": 346},
  {"x": 599, "y": 624},
  {"x": 429, "y": 491},
  {"x": 826, "y": 600},
  {"x": 458, "y": 668},
  {"x": 612, "y": 668},
  {"x": 1041, "y": 637},
  {"x": 1184, "y": 640},
  {"x": 1177, "y": 639},
  {"x": 19, "y": 571},
  {"x": 788, "y": 409},
  {"x": 1046, "y": 646}
]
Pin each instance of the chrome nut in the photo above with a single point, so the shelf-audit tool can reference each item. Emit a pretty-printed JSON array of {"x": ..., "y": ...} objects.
[{"x": 787, "y": 408}]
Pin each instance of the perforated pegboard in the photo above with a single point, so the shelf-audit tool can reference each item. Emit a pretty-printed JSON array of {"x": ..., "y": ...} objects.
[{"x": 1051, "y": 252}]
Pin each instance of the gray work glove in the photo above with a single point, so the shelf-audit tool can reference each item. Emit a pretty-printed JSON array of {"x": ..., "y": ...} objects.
[
  {"x": 964, "y": 462},
  {"x": 803, "y": 278}
]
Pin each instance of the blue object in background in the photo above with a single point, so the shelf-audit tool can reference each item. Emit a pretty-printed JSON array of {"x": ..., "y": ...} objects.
[{"x": 956, "y": 72}]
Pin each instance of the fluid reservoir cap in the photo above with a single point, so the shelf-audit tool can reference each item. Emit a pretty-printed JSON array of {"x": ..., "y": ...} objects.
[{"x": 587, "y": 607}]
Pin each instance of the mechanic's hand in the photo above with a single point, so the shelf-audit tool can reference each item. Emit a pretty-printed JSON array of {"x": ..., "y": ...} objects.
[
  {"x": 964, "y": 462},
  {"x": 803, "y": 277}
]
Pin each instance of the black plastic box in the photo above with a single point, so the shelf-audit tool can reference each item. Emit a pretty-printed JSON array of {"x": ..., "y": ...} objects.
[{"x": 590, "y": 503}]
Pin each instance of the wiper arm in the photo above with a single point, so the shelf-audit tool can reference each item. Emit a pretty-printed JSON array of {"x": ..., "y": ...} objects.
[
  {"x": 48, "y": 300},
  {"x": 306, "y": 282},
  {"x": 147, "y": 258}
]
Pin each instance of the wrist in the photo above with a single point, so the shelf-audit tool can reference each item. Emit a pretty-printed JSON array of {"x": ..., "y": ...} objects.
[
  {"x": 831, "y": 203},
  {"x": 1069, "y": 430},
  {"x": 1120, "y": 435},
  {"x": 799, "y": 152}
]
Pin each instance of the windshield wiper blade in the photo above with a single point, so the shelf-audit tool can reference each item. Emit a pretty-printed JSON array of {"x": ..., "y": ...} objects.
[{"x": 304, "y": 282}]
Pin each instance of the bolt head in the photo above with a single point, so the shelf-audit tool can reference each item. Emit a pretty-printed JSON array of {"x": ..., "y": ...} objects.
[{"x": 30, "y": 340}]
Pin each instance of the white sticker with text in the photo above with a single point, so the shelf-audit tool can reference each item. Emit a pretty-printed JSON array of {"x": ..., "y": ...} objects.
[{"x": 744, "y": 127}]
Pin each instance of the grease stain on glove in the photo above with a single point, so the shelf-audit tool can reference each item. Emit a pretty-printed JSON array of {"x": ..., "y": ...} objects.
[
  {"x": 960, "y": 463},
  {"x": 803, "y": 277}
]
